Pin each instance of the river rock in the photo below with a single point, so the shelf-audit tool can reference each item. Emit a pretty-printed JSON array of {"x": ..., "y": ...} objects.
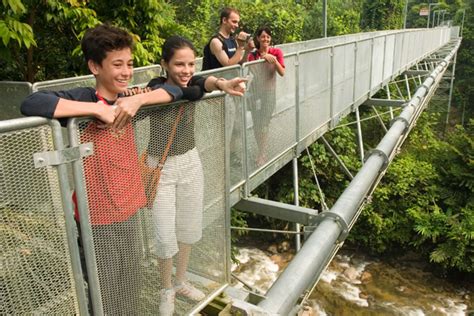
[
  {"x": 307, "y": 311},
  {"x": 351, "y": 273},
  {"x": 284, "y": 246},
  {"x": 282, "y": 259},
  {"x": 273, "y": 249},
  {"x": 366, "y": 277}
]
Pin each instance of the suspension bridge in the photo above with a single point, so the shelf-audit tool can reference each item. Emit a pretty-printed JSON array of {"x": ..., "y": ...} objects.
[{"x": 43, "y": 265}]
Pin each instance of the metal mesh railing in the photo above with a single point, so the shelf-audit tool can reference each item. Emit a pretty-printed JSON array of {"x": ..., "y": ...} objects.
[
  {"x": 271, "y": 123},
  {"x": 235, "y": 124},
  {"x": 11, "y": 95},
  {"x": 137, "y": 247},
  {"x": 36, "y": 273}
]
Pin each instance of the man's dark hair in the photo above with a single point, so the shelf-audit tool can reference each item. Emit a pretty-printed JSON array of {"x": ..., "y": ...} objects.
[
  {"x": 225, "y": 13},
  {"x": 104, "y": 38}
]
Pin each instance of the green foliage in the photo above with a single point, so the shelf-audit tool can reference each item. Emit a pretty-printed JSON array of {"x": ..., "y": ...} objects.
[
  {"x": 150, "y": 22},
  {"x": 382, "y": 14},
  {"x": 426, "y": 199},
  {"x": 14, "y": 34},
  {"x": 201, "y": 24},
  {"x": 284, "y": 18},
  {"x": 39, "y": 57},
  {"x": 343, "y": 17},
  {"x": 464, "y": 96}
]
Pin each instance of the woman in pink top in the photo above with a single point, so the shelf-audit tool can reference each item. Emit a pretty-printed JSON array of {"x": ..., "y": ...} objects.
[{"x": 263, "y": 99}]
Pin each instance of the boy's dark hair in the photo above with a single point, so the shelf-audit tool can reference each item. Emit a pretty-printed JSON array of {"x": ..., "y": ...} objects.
[
  {"x": 104, "y": 38},
  {"x": 174, "y": 43},
  {"x": 259, "y": 32},
  {"x": 225, "y": 13}
]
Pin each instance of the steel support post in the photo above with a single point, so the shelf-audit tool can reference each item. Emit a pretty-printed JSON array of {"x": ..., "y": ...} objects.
[
  {"x": 359, "y": 136},
  {"x": 407, "y": 84},
  {"x": 71, "y": 228},
  {"x": 246, "y": 162},
  {"x": 296, "y": 201},
  {"x": 86, "y": 229},
  {"x": 451, "y": 88},
  {"x": 331, "y": 88},
  {"x": 389, "y": 97}
]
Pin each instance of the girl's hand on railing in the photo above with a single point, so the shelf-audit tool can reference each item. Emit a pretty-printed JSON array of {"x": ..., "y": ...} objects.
[{"x": 234, "y": 86}]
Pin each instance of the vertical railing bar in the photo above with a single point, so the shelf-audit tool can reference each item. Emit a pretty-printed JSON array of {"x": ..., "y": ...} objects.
[
  {"x": 228, "y": 215},
  {"x": 331, "y": 87},
  {"x": 389, "y": 97},
  {"x": 407, "y": 84},
  {"x": 244, "y": 143},
  {"x": 71, "y": 229},
  {"x": 86, "y": 229}
]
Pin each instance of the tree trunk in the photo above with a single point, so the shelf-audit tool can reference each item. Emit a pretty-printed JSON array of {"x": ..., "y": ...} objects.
[{"x": 30, "y": 71}]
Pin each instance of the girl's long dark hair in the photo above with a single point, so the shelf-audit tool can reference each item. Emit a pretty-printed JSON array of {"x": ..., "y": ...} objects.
[{"x": 172, "y": 44}]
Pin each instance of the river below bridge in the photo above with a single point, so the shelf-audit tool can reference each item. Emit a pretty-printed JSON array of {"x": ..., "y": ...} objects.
[{"x": 356, "y": 284}]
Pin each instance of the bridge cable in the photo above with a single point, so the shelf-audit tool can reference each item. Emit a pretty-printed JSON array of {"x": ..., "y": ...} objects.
[{"x": 321, "y": 194}]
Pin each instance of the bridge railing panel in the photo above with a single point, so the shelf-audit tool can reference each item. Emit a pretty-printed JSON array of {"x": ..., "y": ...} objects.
[
  {"x": 363, "y": 64},
  {"x": 11, "y": 95},
  {"x": 454, "y": 32},
  {"x": 314, "y": 91},
  {"x": 235, "y": 125},
  {"x": 398, "y": 51},
  {"x": 270, "y": 112},
  {"x": 41, "y": 272},
  {"x": 190, "y": 206},
  {"x": 377, "y": 62},
  {"x": 388, "y": 69},
  {"x": 343, "y": 79}
]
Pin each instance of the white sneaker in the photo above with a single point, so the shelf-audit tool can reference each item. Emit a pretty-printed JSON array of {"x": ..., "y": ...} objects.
[
  {"x": 167, "y": 302},
  {"x": 187, "y": 290}
]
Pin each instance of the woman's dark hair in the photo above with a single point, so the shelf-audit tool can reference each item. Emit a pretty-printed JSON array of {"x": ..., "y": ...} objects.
[
  {"x": 172, "y": 44},
  {"x": 102, "y": 39},
  {"x": 259, "y": 32}
]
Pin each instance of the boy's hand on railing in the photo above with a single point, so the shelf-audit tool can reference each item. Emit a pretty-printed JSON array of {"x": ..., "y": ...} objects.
[
  {"x": 125, "y": 110},
  {"x": 234, "y": 86},
  {"x": 127, "y": 107},
  {"x": 105, "y": 113}
]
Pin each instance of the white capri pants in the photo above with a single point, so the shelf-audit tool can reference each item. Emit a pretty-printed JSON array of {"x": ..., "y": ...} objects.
[{"x": 178, "y": 206}]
